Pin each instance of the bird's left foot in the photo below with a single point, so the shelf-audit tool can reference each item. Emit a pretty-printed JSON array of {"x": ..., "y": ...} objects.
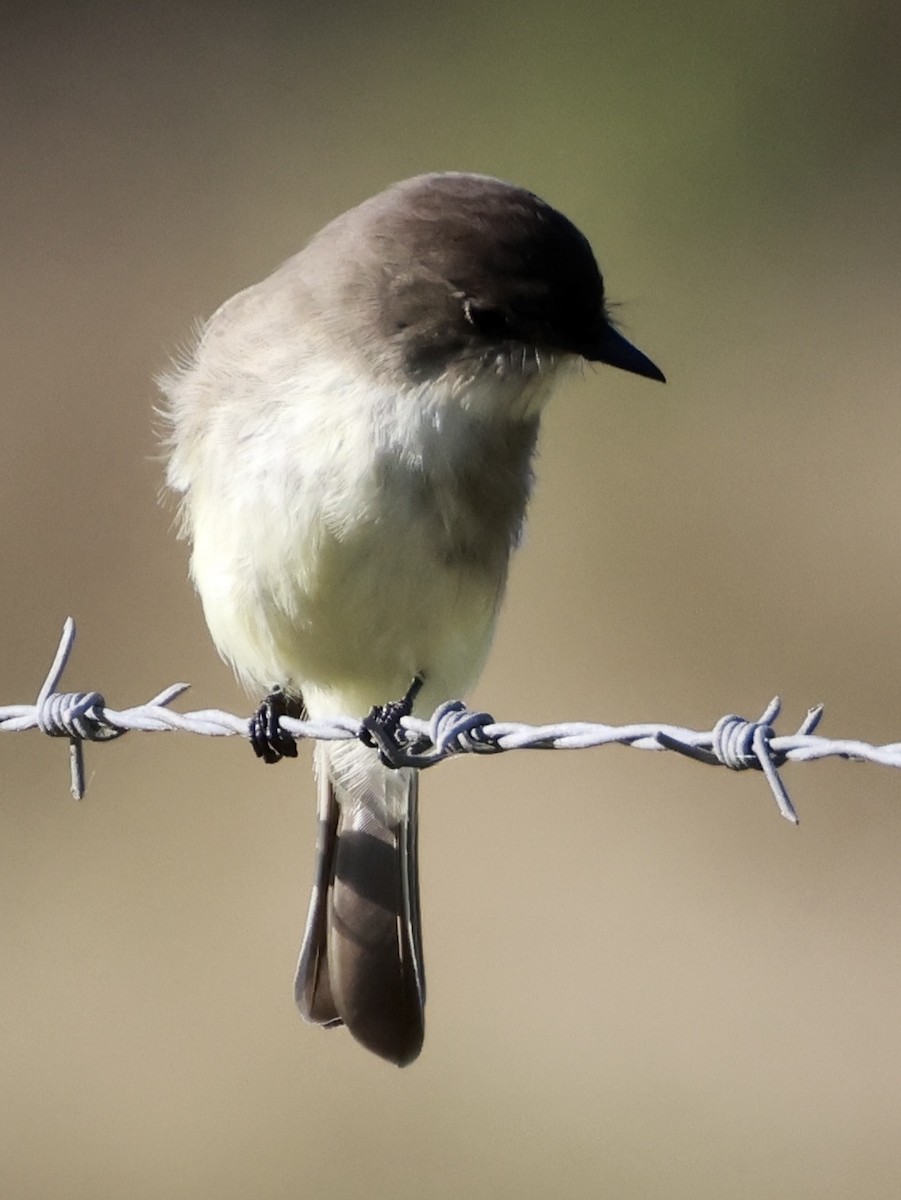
[
  {"x": 382, "y": 729},
  {"x": 269, "y": 740}
]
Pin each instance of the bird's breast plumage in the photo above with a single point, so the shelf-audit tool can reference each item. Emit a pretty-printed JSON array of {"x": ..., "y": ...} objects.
[{"x": 382, "y": 523}]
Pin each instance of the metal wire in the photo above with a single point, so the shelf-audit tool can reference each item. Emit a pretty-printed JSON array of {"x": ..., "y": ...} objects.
[{"x": 453, "y": 729}]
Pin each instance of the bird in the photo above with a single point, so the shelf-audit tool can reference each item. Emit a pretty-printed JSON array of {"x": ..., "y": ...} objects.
[{"x": 351, "y": 442}]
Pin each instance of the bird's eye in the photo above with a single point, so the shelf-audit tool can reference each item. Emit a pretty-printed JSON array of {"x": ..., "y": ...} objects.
[{"x": 490, "y": 322}]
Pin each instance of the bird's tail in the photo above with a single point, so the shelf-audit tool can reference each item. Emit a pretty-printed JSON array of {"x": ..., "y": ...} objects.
[{"x": 361, "y": 959}]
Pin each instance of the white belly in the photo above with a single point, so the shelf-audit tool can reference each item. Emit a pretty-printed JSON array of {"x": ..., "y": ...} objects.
[{"x": 325, "y": 557}]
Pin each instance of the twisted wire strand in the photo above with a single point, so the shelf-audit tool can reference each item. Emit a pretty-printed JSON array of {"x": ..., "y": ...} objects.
[{"x": 453, "y": 729}]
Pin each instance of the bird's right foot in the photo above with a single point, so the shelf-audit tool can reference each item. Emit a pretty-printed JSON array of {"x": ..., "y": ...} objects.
[{"x": 270, "y": 742}]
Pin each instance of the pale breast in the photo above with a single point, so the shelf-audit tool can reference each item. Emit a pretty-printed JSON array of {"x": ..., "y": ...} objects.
[{"x": 342, "y": 546}]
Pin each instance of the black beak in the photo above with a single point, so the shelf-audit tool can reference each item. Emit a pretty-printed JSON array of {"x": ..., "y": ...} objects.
[{"x": 615, "y": 350}]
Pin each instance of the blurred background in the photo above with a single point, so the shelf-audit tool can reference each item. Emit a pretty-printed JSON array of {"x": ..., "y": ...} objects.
[{"x": 642, "y": 982}]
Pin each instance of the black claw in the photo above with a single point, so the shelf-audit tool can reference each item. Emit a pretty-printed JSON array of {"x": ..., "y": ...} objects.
[
  {"x": 382, "y": 730},
  {"x": 269, "y": 740}
]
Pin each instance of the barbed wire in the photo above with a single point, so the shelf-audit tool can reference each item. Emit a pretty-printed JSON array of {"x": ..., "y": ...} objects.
[{"x": 453, "y": 729}]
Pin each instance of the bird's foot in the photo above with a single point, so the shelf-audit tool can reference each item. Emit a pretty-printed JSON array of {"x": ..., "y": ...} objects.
[
  {"x": 269, "y": 740},
  {"x": 382, "y": 729}
]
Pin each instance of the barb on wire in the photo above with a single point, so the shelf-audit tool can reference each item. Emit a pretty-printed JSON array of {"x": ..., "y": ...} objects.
[{"x": 452, "y": 729}]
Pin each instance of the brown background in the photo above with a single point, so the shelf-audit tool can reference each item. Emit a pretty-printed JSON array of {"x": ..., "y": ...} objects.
[{"x": 642, "y": 981}]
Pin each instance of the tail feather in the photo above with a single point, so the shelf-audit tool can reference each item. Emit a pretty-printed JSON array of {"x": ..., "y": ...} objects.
[
  {"x": 312, "y": 988},
  {"x": 361, "y": 958}
]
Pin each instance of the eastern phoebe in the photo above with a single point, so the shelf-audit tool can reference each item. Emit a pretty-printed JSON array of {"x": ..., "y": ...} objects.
[{"x": 352, "y": 441}]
